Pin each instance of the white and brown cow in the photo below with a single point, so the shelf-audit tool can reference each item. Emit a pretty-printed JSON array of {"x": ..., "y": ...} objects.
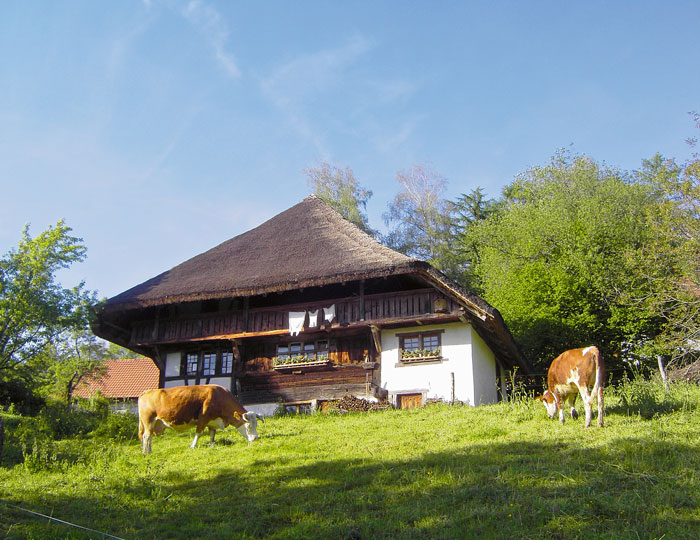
[
  {"x": 571, "y": 373},
  {"x": 199, "y": 406}
]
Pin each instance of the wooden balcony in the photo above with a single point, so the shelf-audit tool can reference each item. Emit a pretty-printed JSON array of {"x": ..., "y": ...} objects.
[{"x": 371, "y": 309}]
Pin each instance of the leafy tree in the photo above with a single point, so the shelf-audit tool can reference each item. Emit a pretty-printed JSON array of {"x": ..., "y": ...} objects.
[
  {"x": 420, "y": 216},
  {"x": 34, "y": 307},
  {"x": 74, "y": 356},
  {"x": 675, "y": 296},
  {"x": 554, "y": 257},
  {"x": 340, "y": 189}
]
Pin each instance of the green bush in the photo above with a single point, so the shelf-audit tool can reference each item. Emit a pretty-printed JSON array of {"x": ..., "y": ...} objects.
[
  {"x": 59, "y": 421},
  {"x": 95, "y": 404},
  {"x": 648, "y": 398},
  {"x": 118, "y": 427}
]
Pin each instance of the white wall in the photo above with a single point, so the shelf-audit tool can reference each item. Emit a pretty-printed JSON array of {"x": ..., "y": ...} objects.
[
  {"x": 484, "y": 372},
  {"x": 464, "y": 354}
]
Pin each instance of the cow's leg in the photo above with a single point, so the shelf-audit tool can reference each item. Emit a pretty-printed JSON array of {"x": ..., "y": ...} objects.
[
  {"x": 147, "y": 436},
  {"x": 600, "y": 406},
  {"x": 212, "y": 434},
  {"x": 561, "y": 404},
  {"x": 196, "y": 438},
  {"x": 587, "y": 399},
  {"x": 572, "y": 403},
  {"x": 146, "y": 431},
  {"x": 202, "y": 422}
]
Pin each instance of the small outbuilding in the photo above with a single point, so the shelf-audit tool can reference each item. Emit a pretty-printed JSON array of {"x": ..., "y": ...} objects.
[
  {"x": 123, "y": 381},
  {"x": 308, "y": 308}
]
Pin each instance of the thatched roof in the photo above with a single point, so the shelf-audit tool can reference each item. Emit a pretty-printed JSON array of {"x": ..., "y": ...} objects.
[{"x": 310, "y": 244}]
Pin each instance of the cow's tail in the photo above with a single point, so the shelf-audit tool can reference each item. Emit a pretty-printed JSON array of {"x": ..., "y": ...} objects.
[
  {"x": 597, "y": 391},
  {"x": 599, "y": 369},
  {"x": 141, "y": 428}
]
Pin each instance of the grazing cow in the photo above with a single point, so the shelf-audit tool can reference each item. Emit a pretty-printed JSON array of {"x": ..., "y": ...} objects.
[
  {"x": 199, "y": 406},
  {"x": 571, "y": 373}
]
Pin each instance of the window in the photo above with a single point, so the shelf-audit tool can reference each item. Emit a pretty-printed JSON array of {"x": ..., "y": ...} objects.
[
  {"x": 420, "y": 347},
  {"x": 226, "y": 363},
  {"x": 209, "y": 363},
  {"x": 298, "y": 408},
  {"x": 322, "y": 349},
  {"x": 192, "y": 363},
  {"x": 294, "y": 353}
]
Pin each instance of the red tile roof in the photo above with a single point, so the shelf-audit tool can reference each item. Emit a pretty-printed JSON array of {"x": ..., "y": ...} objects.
[{"x": 125, "y": 378}]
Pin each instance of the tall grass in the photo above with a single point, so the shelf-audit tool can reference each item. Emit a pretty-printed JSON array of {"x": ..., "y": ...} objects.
[{"x": 500, "y": 471}]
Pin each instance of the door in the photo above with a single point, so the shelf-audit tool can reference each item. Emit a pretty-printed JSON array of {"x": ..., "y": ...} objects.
[{"x": 410, "y": 401}]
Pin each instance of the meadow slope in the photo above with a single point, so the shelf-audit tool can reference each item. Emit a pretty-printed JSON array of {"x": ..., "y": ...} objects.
[{"x": 501, "y": 471}]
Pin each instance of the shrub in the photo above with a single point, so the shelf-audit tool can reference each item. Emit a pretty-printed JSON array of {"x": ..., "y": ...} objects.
[
  {"x": 59, "y": 421},
  {"x": 118, "y": 427},
  {"x": 95, "y": 404}
]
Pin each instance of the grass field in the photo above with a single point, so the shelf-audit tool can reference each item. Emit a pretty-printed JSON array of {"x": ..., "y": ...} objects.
[{"x": 501, "y": 471}]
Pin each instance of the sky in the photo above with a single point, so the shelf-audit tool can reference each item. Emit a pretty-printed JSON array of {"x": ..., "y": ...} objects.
[{"x": 158, "y": 129}]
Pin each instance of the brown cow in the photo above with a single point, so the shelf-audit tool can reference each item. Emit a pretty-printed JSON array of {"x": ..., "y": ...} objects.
[
  {"x": 199, "y": 406},
  {"x": 574, "y": 372}
]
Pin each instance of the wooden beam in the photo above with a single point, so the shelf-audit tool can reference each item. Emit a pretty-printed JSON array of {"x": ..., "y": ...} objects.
[
  {"x": 362, "y": 299},
  {"x": 219, "y": 337},
  {"x": 376, "y": 336}
]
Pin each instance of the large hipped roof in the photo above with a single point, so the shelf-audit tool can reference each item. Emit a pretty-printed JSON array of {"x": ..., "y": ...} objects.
[{"x": 310, "y": 244}]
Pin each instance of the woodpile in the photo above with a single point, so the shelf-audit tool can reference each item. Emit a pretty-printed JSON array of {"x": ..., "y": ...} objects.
[
  {"x": 354, "y": 404},
  {"x": 690, "y": 373}
]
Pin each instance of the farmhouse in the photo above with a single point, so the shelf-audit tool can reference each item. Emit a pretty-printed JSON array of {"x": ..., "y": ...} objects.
[{"x": 307, "y": 308}]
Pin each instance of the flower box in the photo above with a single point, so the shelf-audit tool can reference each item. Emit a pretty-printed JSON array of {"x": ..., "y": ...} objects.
[
  {"x": 417, "y": 359},
  {"x": 297, "y": 364}
]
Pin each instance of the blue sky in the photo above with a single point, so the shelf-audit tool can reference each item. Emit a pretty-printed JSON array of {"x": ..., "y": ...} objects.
[{"x": 160, "y": 128}]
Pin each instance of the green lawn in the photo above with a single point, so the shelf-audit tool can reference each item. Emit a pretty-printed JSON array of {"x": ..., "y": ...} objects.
[{"x": 502, "y": 471}]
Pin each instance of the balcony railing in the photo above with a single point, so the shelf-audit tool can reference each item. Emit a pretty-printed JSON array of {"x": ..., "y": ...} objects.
[{"x": 377, "y": 308}]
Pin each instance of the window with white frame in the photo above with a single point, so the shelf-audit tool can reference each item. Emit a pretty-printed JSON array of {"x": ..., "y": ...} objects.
[
  {"x": 208, "y": 364},
  {"x": 192, "y": 363},
  {"x": 420, "y": 346},
  {"x": 226, "y": 363},
  {"x": 310, "y": 351}
]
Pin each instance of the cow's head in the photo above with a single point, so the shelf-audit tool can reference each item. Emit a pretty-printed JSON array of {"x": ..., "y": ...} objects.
[
  {"x": 250, "y": 427},
  {"x": 549, "y": 400}
]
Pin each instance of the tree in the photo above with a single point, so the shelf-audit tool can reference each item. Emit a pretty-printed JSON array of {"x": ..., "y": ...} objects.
[
  {"x": 676, "y": 226},
  {"x": 464, "y": 213},
  {"x": 34, "y": 307},
  {"x": 340, "y": 189},
  {"x": 419, "y": 215},
  {"x": 555, "y": 258},
  {"x": 74, "y": 356}
]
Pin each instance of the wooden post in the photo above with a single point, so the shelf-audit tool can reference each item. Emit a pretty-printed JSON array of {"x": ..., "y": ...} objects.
[
  {"x": 362, "y": 300},
  {"x": 662, "y": 370}
]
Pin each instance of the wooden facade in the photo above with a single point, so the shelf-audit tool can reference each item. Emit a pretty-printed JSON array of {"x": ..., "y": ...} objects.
[{"x": 253, "y": 336}]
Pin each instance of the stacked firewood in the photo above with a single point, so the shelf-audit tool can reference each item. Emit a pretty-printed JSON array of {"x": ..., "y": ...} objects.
[{"x": 354, "y": 404}]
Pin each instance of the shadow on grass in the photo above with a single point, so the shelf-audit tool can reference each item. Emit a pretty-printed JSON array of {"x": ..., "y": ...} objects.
[{"x": 633, "y": 488}]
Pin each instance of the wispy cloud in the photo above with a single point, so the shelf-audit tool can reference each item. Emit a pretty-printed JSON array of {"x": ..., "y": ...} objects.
[
  {"x": 209, "y": 22},
  {"x": 293, "y": 86},
  {"x": 313, "y": 73}
]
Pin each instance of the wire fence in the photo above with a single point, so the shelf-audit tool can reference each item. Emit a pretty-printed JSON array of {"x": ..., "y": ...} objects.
[{"x": 59, "y": 521}]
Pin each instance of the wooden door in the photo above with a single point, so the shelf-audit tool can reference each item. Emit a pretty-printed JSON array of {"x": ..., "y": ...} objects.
[{"x": 410, "y": 401}]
